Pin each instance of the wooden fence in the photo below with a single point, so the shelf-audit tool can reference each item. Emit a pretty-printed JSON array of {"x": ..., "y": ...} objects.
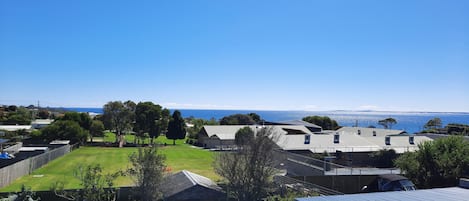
[{"x": 12, "y": 172}]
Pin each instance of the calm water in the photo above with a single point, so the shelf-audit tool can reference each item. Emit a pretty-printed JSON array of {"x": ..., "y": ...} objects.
[{"x": 409, "y": 121}]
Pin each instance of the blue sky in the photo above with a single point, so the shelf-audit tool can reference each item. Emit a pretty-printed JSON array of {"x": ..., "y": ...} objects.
[{"x": 396, "y": 55}]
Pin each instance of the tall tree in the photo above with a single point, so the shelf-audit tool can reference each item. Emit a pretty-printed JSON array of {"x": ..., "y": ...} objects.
[
  {"x": 325, "y": 122},
  {"x": 83, "y": 119},
  {"x": 96, "y": 129},
  {"x": 65, "y": 130},
  {"x": 244, "y": 136},
  {"x": 176, "y": 127},
  {"x": 387, "y": 123},
  {"x": 249, "y": 170},
  {"x": 119, "y": 118},
  {"x": 147, "y": 171},
  {"x": 147, "y": 119},
  {"x": 438, "y": 163},
  {"x": 434, "y": 123}
]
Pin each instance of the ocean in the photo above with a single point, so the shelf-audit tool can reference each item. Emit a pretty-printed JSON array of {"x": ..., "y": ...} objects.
[{"x": 409, "y": 121}]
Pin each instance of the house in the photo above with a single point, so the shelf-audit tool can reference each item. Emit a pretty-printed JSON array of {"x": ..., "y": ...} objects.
[
  {"x": 223, "y": 136},
  {"x": 185, "y": 186},
  {"x": 13, "y": 128},
  {"x": 41, "y": 123}
]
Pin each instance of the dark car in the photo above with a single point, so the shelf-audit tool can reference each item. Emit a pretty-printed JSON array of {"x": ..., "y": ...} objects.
[{"x": 389, "y": 182}]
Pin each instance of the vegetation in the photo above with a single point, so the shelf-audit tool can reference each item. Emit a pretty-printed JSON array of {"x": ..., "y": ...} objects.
[
  {"x": 147, "y": 171},
  {"x": 239, "y": 119},
  {"x": 119, "y": 117},
  {"x": 64, "y": 129},
  {"x": 176, "y": 127},
  {"x": 249, "y": 170},
  {"x": 325, "y": 122},
  {"x": 457, "y": 129},
  {"x": 94, "y": 185},
  {"x": 438, "y": 163},
  {"x": 197, "y": 125},
  {"x": 434, "y": 123},
  {"x": 147, "y": 116},
  {"x": 179, "y": 157},
  {"x": 384, "y": 158},
  {"x": 96, "y": 129},
  {"x": 387, "y": 123},
  {"x": 13, "y": 115},
  {"x": 244, "y": 136}
]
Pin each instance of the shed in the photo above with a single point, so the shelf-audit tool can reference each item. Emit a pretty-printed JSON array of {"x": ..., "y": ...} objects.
[{"x": 185, "y": 186}]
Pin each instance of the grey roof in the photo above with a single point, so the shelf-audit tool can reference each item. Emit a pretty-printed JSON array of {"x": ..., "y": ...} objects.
[
  {"x": 15, "y": 127},
  {"x": 447, "y": 194},
  {"x": 3, "y": 140},
  {"x": 228, "y": 132},
  {"x": 184, "y": 180},
  {"x": 368, "y": 132},
  {"x": 300, "y": 122}
]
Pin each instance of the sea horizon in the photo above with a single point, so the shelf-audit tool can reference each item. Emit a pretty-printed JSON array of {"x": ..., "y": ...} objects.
[{"x": 411, "y": 122}]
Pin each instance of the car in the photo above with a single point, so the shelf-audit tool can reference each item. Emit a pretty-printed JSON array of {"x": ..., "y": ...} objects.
[{"x": 389, "y": 182}]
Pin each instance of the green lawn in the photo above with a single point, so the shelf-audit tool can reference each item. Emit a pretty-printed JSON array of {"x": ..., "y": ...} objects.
[{"x": 178, "y": 157}]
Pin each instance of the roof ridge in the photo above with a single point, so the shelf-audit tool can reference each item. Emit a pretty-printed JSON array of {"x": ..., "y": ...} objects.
[{"x": 188, "y": 175}]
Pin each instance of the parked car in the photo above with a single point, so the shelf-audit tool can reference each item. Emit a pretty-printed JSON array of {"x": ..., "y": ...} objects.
[{"x": 389, "y": 182}]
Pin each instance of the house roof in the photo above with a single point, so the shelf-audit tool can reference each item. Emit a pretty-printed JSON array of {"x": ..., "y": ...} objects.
[
  {"x": 228, "y": 132},
  {"x": 300, "y": 122},
  {"x": 368, "y": 132},
  {"x": 42, "y": 121},
  {"x": 184, "y": 180},
  {"x": 325, "y": 142},
  {"x": 437, "y": 194},
  {"x": 15, "y": 127}
]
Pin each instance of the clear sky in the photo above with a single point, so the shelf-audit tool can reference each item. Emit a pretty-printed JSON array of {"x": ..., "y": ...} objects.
[{"x": 398, "y": 55}]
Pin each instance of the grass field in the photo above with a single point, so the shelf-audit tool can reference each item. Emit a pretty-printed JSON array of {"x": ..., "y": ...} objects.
[{"x": 179, "y": 157}]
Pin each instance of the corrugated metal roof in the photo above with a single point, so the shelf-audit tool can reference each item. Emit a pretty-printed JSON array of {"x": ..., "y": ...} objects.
[
  {"x": 300, "y": 122},
  {"x": 368, "y": 132},
  {"x": 183, "y": 180},
  {"x": 437, "y": 194},
  {"x": 15, "y": 127}
]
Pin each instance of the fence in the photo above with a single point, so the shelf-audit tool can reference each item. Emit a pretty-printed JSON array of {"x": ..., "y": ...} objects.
[{"x": 10, "y": 173}]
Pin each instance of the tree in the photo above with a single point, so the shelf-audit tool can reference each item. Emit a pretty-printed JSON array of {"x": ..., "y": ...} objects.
[
  {"x": 176, "y": 127},
  {"x": 325, "y": 122},
  {"x": 147, "y": 119},
  {"x": 434, "y": 123},
  {"x": 83, "y": 119},
  {"x": 20, "y": 116},
  {"x": 237, "y": 119},
  {"x": 457, "y": 129},
  {"x": 244, "y": 136},
  {"x": 43, "y": 114},
  {"x": 119, "y": 118},
  {"x": 24, "y": 195},
  {"x": 256, "y": 118},
  {"x": 65, "y": 129},
  {"x": 438, "y": 163},
  {"x": 96, "y": 129},
  {"x": 249, "y": 170},
  {"x": 387, "y": 123},
  {"x": 96, "y": 186},
  {"x": 147, "y": 171}
]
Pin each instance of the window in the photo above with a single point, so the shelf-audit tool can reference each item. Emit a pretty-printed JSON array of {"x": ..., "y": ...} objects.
[
  {"x": 387, "y": 140},
  {"x": 374, "y": 133},
  {"x": 411, "y": 140},
  {"x": 336, "y": 138},
  {"x": 307, "y": 138},
  {"x": 359, "y": 132}
]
